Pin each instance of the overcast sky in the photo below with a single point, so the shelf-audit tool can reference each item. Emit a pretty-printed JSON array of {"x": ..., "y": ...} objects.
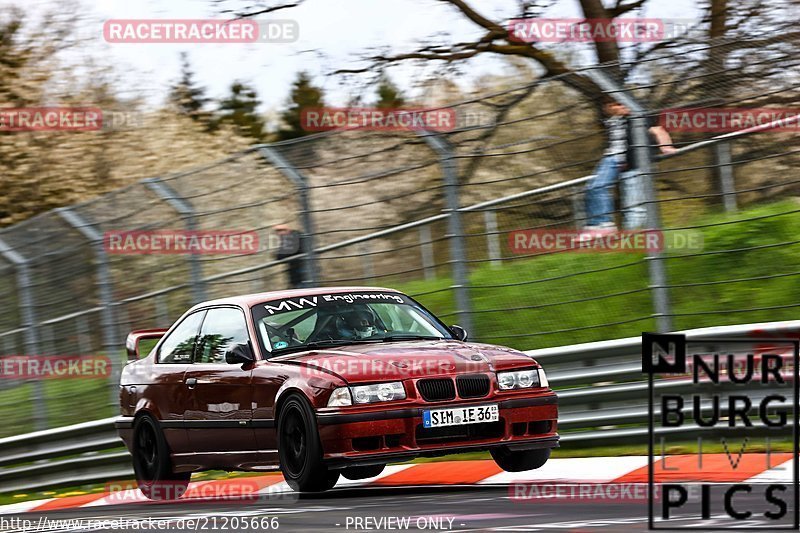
[{"x": 341, "y": 29}]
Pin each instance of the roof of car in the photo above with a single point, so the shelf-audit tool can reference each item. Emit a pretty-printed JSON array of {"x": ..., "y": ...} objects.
[{"x": 249, "y": 300}]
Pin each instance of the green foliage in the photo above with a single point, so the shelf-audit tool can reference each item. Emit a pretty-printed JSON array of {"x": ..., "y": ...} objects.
[
  {"x": 187, "y": 97},
  {"x": 736, "y": 247},
  {"x": 389, "y": 95},
  {"x": 304, "y": 95},
  {"x": 239, "y": 109}
]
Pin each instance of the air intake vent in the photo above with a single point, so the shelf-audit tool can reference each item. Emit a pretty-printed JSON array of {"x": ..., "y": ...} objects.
[
  {"x": 433, "y": 390},
  {"x": 473, "y": 386}
]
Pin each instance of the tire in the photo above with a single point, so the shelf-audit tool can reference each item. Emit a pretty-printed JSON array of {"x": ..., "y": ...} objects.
[
  {"x": 152, "y": 464},
  {"x": 519, "y": 461},
  {"x": 362, "y": 472},
  {"x": 300, "y": 450}
]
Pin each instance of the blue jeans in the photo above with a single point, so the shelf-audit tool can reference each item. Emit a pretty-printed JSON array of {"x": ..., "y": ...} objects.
[{"x": 599, "y": 202}]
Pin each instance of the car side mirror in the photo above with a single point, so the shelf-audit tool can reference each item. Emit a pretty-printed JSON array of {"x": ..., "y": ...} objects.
[
  {"x": 459, "y": 332},
  {"x": 140, "y": 342},
  {"x": 239, "y": 354}
]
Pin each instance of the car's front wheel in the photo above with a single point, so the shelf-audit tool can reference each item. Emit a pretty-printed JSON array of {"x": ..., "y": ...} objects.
[
  {"x": 152, "y": 464},
  {"x": 300, "y": 450},
  {"x": 519, "y": 461}
]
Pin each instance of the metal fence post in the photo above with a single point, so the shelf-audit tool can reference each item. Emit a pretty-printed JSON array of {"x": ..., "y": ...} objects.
[
  {"x": 641, "y": 155},
  {"x": 84, "y": 334},
  {"x": 28, "y": 316},
  {"x": 579, "y": 210},
  {"x": 426, "y": 248},
  {"x": 492, "y": 237},
  {"x": 655, "y": 258},
  {"x": 455, "y": 231},
  {"x": 366, "y": 260},
  {"x": 300, "y": 182},
  {"x": 104, "y": 294},
  {"x": 162, "y": 310},
  {"x": 723, "y": 162},
  {"x": 187, "y": 213}
]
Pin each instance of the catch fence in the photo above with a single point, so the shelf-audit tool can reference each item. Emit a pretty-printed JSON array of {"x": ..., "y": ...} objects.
[{"x": 435, "y": 214}]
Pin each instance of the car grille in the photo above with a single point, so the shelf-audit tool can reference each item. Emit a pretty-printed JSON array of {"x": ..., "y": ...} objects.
[
  {"x": 474, "y": 386},
  {"x": 436, "y": 389}
]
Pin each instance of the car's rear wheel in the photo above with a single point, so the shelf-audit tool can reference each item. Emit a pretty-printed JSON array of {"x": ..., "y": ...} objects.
[
  {"x": 152, "y": 464},
  {"x": 519, "y": 461},
  {"x": 300, "y": 450},
  {"x": 362, "y": 472}
]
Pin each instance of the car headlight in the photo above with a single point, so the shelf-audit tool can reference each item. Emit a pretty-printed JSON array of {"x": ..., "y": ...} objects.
[
  {"x": 340, "y": 397},
  {"x": 521, "y": 379},
  {"x": 543, "y": 378},
  {"x": 379, "y": 392}
]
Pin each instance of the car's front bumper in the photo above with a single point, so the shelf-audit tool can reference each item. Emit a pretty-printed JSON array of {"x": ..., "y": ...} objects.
[{"x": 390, "y": 435}]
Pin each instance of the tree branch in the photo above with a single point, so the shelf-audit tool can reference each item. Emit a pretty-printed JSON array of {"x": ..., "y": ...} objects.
[{"x": 621, "y": 9}]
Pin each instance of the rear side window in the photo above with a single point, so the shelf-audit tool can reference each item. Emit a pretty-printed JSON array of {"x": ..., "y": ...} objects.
[
  {"x": 222, "y": 328},
  {"x": 179, "y": 345}
]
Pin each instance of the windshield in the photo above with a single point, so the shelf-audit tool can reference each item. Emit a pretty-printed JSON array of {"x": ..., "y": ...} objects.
[{"x": 343, "y": 318}]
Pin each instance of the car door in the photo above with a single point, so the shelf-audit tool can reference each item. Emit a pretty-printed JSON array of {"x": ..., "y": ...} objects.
[
  {"x": 219, "y": 420},
  {"x": 167, "y": 390}
]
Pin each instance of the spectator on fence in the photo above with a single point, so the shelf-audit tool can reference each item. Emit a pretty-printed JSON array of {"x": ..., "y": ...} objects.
[
  {"x": 619, "y": 162},
  {"x": 289, "y": 244}
]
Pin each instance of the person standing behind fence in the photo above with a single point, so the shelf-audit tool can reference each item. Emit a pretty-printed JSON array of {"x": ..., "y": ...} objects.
[
  {"x": 290, "y": 245},
  {"x": 619, "y": 161}
]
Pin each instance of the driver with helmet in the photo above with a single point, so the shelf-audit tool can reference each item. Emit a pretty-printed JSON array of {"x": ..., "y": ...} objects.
[{"x": 356, "y": 322}]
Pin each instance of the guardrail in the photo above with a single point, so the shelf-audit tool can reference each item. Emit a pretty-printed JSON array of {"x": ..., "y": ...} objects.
[{"x": 596, "y": 383}]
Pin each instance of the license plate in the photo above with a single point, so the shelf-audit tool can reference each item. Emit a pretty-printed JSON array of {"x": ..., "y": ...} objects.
[{"x": 434, "y": 418}]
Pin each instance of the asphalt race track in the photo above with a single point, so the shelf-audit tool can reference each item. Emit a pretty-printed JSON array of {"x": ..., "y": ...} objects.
[{"x": 443, "y": 508}]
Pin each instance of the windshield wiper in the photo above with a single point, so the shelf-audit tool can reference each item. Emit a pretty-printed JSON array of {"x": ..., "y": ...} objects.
[{"x": 390, "y": 338}]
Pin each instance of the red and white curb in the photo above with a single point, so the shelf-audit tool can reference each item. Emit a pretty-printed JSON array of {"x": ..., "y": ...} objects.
[{"x": 754, "y": 468}]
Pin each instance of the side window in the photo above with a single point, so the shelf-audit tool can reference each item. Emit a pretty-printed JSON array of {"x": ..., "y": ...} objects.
[
  {"x": 178, "y": 346},
  {"x": 222, "y": 328}
]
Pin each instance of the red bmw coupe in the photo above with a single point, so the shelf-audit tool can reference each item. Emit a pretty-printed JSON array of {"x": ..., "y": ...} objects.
[{"x": 321, "y": 383}]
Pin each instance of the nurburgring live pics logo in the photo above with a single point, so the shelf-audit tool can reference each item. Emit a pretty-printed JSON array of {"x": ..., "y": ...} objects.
[{"x": 732, "y": 396}]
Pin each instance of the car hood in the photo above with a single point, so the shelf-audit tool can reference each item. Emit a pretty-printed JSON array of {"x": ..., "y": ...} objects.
[{"x": 371, "y": 362}]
